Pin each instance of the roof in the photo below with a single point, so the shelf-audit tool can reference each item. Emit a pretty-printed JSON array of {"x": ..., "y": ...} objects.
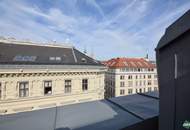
[
  {"x": 128, "y": 62},
  {"x": 176, "y": 29},
  {"x": 110, "y": 114},
  {"x": 32, "y": 54}
]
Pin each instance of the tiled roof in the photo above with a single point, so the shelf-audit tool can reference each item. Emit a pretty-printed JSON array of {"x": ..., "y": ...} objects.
[{"x": 128, "y": 62}]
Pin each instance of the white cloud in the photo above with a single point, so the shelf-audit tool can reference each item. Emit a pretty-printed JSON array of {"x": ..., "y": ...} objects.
[{"x": 115, "y": 34}]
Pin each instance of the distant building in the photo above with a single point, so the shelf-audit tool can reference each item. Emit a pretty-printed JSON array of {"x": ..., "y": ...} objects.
[
  {"x": 40, "y": 76},
  {"x": 129, "y": 76}
]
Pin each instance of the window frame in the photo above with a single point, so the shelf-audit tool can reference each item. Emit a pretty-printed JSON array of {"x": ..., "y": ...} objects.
[
  {"x": 130, "y": 91},
  {"x": 84, "y": 85},
  {"x": 68, "y": 86},
  {"x": 48, "y": 86},
  {"x": 122, "y": 84},
  {"x": 24, "y": 91},
  {"x": 122, "y": 91},
  {"x": 122, "y": 77},
  {"x": 0, "y": 90}
]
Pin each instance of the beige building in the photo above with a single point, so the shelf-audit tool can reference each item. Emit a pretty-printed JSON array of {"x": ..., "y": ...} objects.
[
  {"x": 129, "y": 76},
  {"x": 41, "y": 76}
]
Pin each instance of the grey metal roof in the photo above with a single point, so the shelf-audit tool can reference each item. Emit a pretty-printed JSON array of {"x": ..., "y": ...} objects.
[
  {"x": 179, "y": 27},
  {"x": 11, "y": 53},
  {"x": 154, "y": 94},
  {"x": 113, "y": 114},
  {"x": 140, "y": 105}
]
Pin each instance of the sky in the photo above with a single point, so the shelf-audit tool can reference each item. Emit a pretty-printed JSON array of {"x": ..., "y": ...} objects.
[{"x": 105, "y": 28}]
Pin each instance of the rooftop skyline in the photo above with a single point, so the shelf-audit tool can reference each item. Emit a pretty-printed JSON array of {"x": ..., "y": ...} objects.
[{"x": 121, "y": 28}]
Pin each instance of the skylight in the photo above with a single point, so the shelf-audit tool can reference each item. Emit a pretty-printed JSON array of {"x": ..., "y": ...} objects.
[{"x": 24, "y": 58}]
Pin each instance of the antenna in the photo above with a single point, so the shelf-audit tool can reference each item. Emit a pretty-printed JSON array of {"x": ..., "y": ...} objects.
[
  {"x": 85, "y": 51},
  {"x": 146, "y": 57},
  {"x": 92, "y": 52}
]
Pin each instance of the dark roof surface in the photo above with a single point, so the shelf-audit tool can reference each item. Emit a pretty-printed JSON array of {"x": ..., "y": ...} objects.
[
  {"x": 179, "y": 27},
  {"x": 143, "y": 105},
  {"x": 112, "y": 114},
  {"x": 38, "y": 54}
]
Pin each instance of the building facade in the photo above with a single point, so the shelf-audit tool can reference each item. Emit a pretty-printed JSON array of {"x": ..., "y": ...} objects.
[
  {"x": 129, "y": 76},
  {"x": 41, "y": 76}
]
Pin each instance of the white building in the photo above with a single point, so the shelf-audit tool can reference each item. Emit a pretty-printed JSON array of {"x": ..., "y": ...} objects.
[
  {"x": 129, "y": 76},
  {"x": 34, "y": 76}
]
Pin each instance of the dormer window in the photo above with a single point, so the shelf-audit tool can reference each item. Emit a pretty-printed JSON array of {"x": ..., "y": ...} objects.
[
  {"x": 57, "y": 58},
  {"x": 53, "y": 58},
  {"x": 25, "y": 58},
  {"x": 83, "y": 60}
]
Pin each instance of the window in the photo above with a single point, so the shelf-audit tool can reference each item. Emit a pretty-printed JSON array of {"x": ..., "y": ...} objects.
[
  {"x": 149, "y": 82},
  {"x": 122, "y": 77},
  {"x": 23, "y": 89},
  {"x": 144, "y": 82},
  {"x": 140, "y": 90},
  {"x": 130, "y": 77},
  {"x": 136, "y": 76},
  {"x": 0, "y": 91},
  {"x": 122, "y": 84},
  {"x": 122, "y": 70},
  {"x": 149, "y": 89},
  {"x": 155, "y": 82},
  {"x": 136, "y": 83},
  {"x": 122, "y": 92},
  {"x": 130, "y": 83},
  {"x": 57, "y": 58},
  {"x": 84, "y": 84},
  {"x": 24, "y": 58},
  {"x": 155, "y": 89},
  {"x": 83, "y": 60},
  {"x": 149, "y": 76},
  {"x": 53, "y": 58},
  {"x": 67, "y": 86},
  {"x": 47, "y": 87},
  {"x": 144, "y": 76},
  {"x": 140, "y": 83},
  {"x": 130, "y": 91}
]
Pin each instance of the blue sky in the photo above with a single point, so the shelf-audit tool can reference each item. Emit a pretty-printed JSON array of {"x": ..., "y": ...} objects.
[{"x": 108, "y": 28}]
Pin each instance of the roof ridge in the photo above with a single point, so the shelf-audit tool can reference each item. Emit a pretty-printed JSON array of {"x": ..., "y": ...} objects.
[{"x": 22, "y": 42}]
